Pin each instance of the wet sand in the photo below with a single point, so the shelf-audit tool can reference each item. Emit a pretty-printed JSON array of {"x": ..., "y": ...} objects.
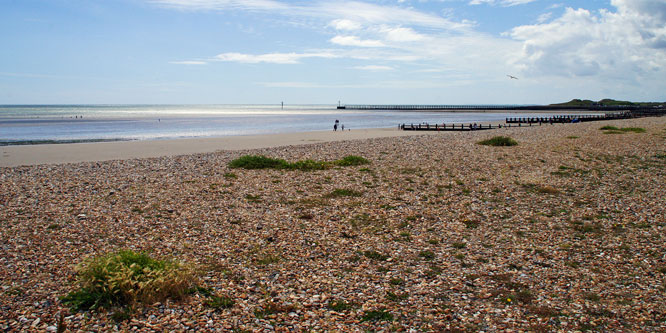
[{"x": 119, "y": 150}]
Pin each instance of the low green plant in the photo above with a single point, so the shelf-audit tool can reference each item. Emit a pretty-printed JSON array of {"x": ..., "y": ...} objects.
[
  {"x": 351, "y": 160},
  {"x": 633, "y": 129},
  {"x": 125, "y": 278},
  {"x": 377, "y": 315},
  {"x": 258, "y": 162},
  {"x": 391, "y": 296},
  {"x": 397, "y": 281},
  {"x": 427, "y": 254},
  {"x": 344, "y": 193},
  {"x": 471, "y": 224},
  {"x": 263, "y": 162},
  {"x": 219, "y": 302},
  {"x": 459, "y": 245},
  {"x": 267, "y": 259},
  {"x": 374, "y": 255},
  {"x": 499, "y": 141},
  {"x": 615, "y": 130},
  {"x": 340, "y": 305}
]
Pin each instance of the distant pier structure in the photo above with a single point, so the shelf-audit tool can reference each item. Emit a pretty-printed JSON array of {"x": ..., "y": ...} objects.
[
  {"x": 416, "y": 107},
  {"x": 430, "y": 107}
]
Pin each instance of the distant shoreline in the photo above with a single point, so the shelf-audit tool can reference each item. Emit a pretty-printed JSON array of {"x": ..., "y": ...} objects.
[
  {"x": 55, "y": 142},
  {"x": 25, "y": 155}
]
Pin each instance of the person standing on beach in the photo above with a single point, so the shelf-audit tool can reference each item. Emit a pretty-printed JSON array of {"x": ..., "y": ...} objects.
[{"x": 335, "y": 126}]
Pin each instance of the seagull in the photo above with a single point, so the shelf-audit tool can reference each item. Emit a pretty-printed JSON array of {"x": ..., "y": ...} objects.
[{"x": 512, "y": 77}]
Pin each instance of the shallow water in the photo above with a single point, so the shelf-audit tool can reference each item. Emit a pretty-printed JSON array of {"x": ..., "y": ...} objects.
[{"x": 60, "y": 123}]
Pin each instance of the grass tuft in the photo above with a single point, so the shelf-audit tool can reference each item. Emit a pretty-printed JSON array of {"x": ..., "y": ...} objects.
[
  {"x": 262, "y": 162},
  {"x": 427, "y": 255},
  {"x": 374, "y": 255},
  {"x": 340, "y": 305},
  {"x": 219, "y": 302},
  {"x": 377, "y": 315},
  {"x": 499, "y": 141},
  {"x": 125, "y": 278},
  {"x": 615, "y": 130},
  {"x": 351, "y": 160},
  {"x": 340, "y": 192},
  {"x": 258, "y": 162}
]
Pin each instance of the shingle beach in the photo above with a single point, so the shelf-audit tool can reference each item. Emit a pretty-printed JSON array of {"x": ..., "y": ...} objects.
[{"x": 563, "y": 232}]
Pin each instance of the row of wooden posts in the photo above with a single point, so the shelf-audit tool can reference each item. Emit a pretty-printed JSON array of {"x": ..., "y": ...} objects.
[{"x": 557, "y": 119}]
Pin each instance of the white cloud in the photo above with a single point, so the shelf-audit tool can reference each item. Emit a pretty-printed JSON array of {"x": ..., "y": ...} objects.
[
  {"x": 374, "y": 68},
  {"x": 626, "y": 44},
  {"x": 505, "y": 3},
  {"x": 578, "y": 48},
  {"x": 272, "y": 58},
  {"x": 355, "y": 41},
  {"x": 346, "y": 15},
  {"x": 400, "y": 34},
  {"x": 544, "y": 17},
  {"x": 367, "y": 13},
  {"x": 344, "y": 24}
]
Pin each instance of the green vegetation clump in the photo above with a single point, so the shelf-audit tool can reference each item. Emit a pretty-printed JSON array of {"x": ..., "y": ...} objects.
[
  {"x": 614, "y": 130},
  {"x": 377, "y": 315},
  {"x": 258, "y": 162},
  {"x": 633, "y": 129},
  {"x": 219, "y": 302},
  {"x": 341, "y": 192},
  {"x": 251, "y": 162},
  {"x": 340, "y": 305},
  {"x": 374, "y": 255},
  {"x": 125, "y": 278},
  {"x": 427, "y": 254},
  {"x": 499, "y": 141}
]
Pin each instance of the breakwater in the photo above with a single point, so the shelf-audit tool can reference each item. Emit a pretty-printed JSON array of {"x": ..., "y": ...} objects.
[{"x": 481, "y": 107}]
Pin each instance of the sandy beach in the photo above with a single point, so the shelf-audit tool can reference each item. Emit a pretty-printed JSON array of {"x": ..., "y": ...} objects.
[
  {"x": 11, "y": 156},
  {"x": 563, "y": 232}
]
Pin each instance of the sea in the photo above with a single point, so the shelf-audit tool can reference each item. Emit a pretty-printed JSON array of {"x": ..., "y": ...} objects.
[{"x": 32, "y": 124}]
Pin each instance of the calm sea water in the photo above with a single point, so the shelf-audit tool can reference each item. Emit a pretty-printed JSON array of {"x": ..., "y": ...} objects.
[{"x": 150, "y": 122}]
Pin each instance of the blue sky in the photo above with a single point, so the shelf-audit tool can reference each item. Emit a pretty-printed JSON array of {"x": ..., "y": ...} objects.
[{"x": 322, "y": 52}]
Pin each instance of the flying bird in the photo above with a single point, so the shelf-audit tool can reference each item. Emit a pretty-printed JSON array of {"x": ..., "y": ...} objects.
[{"x": 512, "y": 77}]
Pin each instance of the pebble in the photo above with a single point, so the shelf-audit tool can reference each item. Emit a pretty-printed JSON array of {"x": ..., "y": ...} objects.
[{"x": 444, "y": 232}]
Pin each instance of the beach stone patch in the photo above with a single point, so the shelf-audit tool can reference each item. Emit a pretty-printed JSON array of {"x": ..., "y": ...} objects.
[{"x": 554, "y": 234}]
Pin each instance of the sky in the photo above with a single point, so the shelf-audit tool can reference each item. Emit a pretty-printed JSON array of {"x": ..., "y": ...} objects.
[{"x": 326, "y": 52}]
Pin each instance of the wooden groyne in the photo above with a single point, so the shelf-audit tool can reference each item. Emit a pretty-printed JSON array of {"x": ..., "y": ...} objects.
[
  {"x": 556, "y": 119},
  {"x": 560, "y": 119},
  {"x": 449, "y": 127},
  {"x": 481, "y": 107}
]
